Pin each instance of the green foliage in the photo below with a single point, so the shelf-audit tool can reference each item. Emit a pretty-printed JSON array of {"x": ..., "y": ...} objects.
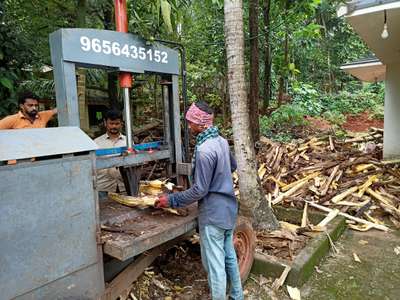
[
  {"x": 332, "y": 107},
  {"x": 314, "y": 103},
  {"x": 13, "y": 58},
  {"x": 280, "y": 123},
  {"x": 334, "y": 117},
  {"x": 306, "y": 97}
]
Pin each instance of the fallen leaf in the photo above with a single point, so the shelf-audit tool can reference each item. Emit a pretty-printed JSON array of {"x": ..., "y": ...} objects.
[
  {"x": 356, "y": 258},
  {"x": 294, "y": 292}
]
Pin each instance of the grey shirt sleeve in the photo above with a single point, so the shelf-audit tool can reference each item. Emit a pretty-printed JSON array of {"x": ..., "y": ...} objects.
[{"x": 204, "y": 170}]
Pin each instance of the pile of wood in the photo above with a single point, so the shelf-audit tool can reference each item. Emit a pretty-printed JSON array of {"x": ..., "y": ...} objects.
[
  {"x": 283, "y": 243},
  {"x": 343, "y": 176}
]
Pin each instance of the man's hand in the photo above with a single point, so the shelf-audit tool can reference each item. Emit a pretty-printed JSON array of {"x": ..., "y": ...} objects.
[{"x": 162, "y": 201}]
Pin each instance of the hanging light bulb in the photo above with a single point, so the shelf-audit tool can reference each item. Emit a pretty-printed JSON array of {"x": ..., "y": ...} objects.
[{"x": 385, "y": 33}]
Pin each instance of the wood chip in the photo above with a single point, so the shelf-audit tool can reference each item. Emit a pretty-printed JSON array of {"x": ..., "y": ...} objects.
[
  {"x": 356, "y": 258},
  {"x": 304, "y": 219},
  {"x": 331, "y": 215},
  {"x": 281, "y": 280},
  {"x": 294, "y": 293}
]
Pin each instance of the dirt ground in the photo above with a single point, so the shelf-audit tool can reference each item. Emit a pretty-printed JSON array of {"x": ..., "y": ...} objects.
[
  {"x": 319, "y": 124},
  {"x": 178, "y": 274},
  {"x": 361, "y": 122},
  {"x": 354, "y": 123}
]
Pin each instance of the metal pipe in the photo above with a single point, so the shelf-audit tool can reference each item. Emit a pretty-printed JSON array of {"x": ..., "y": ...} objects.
[
  {"x": 182, "y": 52},
  {"x": 128, "y": 122},
  {"x": 125, "y": 79}
]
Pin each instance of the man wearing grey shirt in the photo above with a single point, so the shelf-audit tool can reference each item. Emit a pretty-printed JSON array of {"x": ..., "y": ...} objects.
[{"x": 212, "y": 187}]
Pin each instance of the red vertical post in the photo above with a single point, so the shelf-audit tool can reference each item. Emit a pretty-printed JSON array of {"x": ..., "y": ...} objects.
[{"x": 121, "y": 22}]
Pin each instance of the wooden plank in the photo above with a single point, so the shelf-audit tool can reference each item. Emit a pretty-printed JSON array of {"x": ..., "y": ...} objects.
[{"x": 153, "y": 228}]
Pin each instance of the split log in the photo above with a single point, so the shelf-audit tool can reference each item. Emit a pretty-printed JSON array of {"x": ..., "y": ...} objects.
[
  {"x": 281, "y": 280},
  {"x": 289, "y": 192},
  {"x": 350, "y": 217},
  {"x": 329, "y": 181},
  {"x": 305, "y": 179},
  {"x": 343, "y": 195},
  {"x": 328, "y": 218}
]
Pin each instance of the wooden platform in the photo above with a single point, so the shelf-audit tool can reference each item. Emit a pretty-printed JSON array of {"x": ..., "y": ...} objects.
[{"x": 144, "y": 228}]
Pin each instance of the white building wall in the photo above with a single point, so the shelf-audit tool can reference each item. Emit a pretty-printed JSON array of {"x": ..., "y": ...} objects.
[{"x": 391, "y": 138}]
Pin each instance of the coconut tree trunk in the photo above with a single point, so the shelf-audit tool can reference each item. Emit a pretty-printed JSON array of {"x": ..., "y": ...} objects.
[
  {"x": 254, "y": 67},
  {"x": 252, "y": 199},
  {"x": 267, "y": 54}
]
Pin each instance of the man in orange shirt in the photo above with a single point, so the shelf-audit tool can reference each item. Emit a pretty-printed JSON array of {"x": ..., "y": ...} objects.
[{"x": 28, "y": 116}]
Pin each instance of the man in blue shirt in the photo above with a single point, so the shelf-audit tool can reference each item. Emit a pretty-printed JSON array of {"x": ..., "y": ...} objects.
[{"x": 212, "y": 187}]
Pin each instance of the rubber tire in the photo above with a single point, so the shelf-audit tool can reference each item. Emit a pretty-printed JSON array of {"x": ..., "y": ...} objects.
[{"x": 244, "y": 240}]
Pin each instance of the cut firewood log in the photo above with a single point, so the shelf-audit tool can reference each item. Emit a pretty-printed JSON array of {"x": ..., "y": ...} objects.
[
  {"x": 329, "y": 181},
  {"x": 331, "y": 145},
  {"x": 304, "y": 219},
  {"x": 343, "y": 195},
  {"x": 261, "y": 171},
  {"x": 141, "y": 202},
  {"x": 366, "y": 185},
  {"x": 328, "y": 218},
  {"x": 305, "y": 179},
  {"x": 289, "y": 192},
  {"x": 385, "y": 204},
  {"x": 281, "y": 280},
  {"x": 350, "y": 217}
]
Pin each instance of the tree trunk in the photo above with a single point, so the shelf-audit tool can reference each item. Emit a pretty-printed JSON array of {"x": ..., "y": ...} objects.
[
  {"x": 331, "y": 84},
  {"x": 283, "y": 77},
  {"x": 252, "y": 199},
  {"x": 254, "y": 69},
  {"x": 267, "y": 55}
]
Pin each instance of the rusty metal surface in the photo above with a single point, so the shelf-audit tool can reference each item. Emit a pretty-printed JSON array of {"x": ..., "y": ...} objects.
[{"x": 148, "y": 228}]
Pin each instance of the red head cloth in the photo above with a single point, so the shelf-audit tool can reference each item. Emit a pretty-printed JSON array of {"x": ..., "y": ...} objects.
[{"x": 199, "y": 117}]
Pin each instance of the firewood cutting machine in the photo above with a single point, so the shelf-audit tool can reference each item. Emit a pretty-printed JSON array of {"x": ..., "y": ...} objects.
[{"x": 51, "y": 242}]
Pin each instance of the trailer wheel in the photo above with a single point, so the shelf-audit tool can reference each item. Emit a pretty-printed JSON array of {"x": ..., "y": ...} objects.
[{"x": 244, "y": 240}]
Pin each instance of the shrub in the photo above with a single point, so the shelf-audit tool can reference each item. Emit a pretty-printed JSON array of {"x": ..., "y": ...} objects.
[{"x": 282, "y": 120}]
